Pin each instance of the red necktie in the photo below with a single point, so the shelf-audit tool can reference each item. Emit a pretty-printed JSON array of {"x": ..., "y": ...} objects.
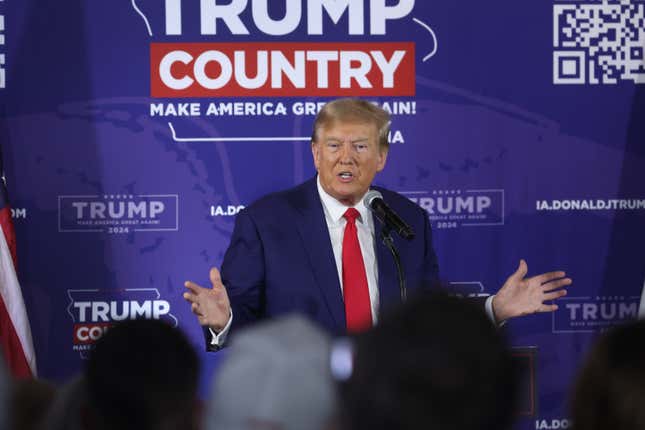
[{"x": 358, "y": 313}]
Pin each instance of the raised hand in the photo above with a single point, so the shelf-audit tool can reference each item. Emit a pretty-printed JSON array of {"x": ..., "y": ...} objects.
[
  {"x": 211, "y": 305},
  {"x": 522, "y": 296}
]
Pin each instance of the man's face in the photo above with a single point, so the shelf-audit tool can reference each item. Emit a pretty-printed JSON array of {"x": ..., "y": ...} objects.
[{"x": 347, "y": 157}]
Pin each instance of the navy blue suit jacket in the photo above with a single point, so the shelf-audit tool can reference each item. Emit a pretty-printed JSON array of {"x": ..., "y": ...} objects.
[{"x": 280, "y": 259}]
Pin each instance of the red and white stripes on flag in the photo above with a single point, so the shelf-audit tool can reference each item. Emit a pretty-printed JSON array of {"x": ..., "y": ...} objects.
[{"x": 16, "y": 344}]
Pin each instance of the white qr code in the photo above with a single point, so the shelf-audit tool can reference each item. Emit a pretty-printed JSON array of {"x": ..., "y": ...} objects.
[{"x": 599, "y": 42}]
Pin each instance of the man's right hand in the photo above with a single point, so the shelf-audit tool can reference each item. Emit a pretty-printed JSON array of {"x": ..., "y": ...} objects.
[{"x": 211, "y": 305}]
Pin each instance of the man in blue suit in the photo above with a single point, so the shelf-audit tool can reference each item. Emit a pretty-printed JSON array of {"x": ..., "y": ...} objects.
[{"x": 315, "y": 248}]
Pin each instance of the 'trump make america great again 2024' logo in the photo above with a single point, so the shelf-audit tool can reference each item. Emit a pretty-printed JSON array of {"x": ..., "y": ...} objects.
[
  {"x": 285, "y": 69},
  {"x": 118, "y": 213},
  {"x": 461, "y": 208},
  {"x": 593, "y": 313}
]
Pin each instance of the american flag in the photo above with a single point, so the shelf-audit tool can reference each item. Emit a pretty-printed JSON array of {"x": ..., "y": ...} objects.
[{"x": 15, "y": 334}]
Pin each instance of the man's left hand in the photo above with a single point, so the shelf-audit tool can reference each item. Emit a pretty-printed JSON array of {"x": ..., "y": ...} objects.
[{"x": 523, "y": 296}]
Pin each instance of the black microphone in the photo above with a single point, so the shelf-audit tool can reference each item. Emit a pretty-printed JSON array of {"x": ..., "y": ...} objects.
[{"x": 373, "y": 200}]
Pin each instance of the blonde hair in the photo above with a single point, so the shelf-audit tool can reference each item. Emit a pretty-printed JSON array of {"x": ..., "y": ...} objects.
[{"x": 354, "y": 110}]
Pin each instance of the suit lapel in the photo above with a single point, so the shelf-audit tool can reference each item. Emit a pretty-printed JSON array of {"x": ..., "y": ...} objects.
[{"x": 313, "y": 231}]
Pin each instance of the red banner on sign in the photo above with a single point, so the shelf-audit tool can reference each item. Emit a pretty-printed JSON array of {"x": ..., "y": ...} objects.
[
  {"x": 281, "y": 69},
  {"x": 85, "y": 334}
]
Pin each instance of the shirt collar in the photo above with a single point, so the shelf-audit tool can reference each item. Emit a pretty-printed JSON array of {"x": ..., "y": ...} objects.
[{"x": 335, "y": 209}]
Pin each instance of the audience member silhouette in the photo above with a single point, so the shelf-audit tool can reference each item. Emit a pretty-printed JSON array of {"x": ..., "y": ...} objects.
[
  {"x": 434, "y": 362},
  {"x": 5, "y": 394},
  {"x": 276, "y": 377},
  {"x": 610, "y": 390},
  {"x": 30, "y": 400},
  {"x": 67, "y": 409},
  {"x": 142, "y": 375}
]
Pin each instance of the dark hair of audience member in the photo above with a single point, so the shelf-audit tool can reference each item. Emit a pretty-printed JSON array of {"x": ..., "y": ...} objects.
[
  {"x": 5, "y": 393},
  {"x": 30, "y": 401},
  {"x": 435, "y": 362},
  {"x": 142, "y": 375},
  {"x": 610, "y": 389}
]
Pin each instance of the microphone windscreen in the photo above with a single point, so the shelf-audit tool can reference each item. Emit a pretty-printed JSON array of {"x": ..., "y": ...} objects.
[{"x": 370, "y": 196}]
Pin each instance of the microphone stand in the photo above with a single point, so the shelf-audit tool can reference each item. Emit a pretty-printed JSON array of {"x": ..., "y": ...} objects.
[{"x": 386, "y": 237}]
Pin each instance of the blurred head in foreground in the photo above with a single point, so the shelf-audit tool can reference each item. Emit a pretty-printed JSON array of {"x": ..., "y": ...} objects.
[
  {"x": 276, "y": 377},
  {"x": 435, "y": 362},
  {"x": 23, "y": 401},
  {"x": 5, "y": 394},
  {"x": 610, "y": 390},
  {"x": 142, "y": 375},
  {"x": 31, "y": 399},
  {"x": 66, "y": 410}
]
